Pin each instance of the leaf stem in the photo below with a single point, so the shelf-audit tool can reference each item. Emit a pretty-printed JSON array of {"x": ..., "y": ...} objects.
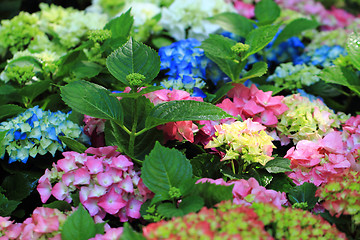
[
  {"x": 133, "y": 130},
  {"x": 123, "y": 127}
]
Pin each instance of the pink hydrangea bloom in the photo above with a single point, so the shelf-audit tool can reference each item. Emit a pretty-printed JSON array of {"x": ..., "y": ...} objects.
[
  {"x": 245, "y": 9},
  {"x": 249, "y": 191},
  {"x": 106, "y": 182}
]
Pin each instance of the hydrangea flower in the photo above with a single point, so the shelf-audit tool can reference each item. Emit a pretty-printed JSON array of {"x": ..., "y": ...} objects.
[
  {"x": 187, "y": 18},
  {"x": 317, "y": 161},
  {"x": 36, "y": 132},
  {"x": 292, "y": 76},
  {"x": 307, "y": 120},
  {"x": 187, "y": 66},
  {"x": 105, "y": 180},
  {"x": 243, "y": 140},
  {"x": 246, "y": 192},
  {"x": 341, "y": 195},
  {"x": 351, "y": 139},
  {"x": 231, "y": 221},
  {"x": 323, "y": 56}
]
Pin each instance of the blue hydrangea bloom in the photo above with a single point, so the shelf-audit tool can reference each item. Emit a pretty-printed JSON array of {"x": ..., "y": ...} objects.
[
  {"x": 187, "y": 66},
  {"x": 36, "y": 132},
  {"x": 323, "y": 56}
]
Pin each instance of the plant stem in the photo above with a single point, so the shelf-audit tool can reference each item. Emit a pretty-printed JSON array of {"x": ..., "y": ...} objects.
[{"x": 133, "y": 130}]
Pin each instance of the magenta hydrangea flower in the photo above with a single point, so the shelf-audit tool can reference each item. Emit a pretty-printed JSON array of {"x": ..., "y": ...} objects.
[{"x": 106, "y": 181}]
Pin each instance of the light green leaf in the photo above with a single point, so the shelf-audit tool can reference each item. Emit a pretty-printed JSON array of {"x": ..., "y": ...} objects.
[
  {"x": 266, "y": 12},
  {"x": 258, "y": 69},
  {"x": 233, "y": 22},
  {"x": 2, "y": 145},
  {"x": 130, "y": 234},
  {"x": 278, "y": 165},
  {"x": 164, "y": 168},
  {"x": 26, "y": 61},
  {"x": 183, "y": 110},
  {"x": 86, "y": 69},
  {"x": 258, "y": 38},
  {"x": 294, "y": 28},
  {"x": 80, "y": 226},
  {"x": 92, "y": 99},
  {"x": 133, "y": 57},
  {"x": 73, "y": 144},
  {"x": 35, "y": 89},
  {"x": 353, "y": 49},
  {"x": 120, "y": 26}
]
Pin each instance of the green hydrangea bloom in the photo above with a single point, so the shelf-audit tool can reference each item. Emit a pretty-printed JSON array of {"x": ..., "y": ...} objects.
[
  {"x": 307, "y": 120},
  {"x": 292, "y": 76}
]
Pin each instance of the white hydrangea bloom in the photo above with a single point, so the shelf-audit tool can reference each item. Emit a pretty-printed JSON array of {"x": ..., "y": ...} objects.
[
  {"x": 192, "y": 14},
  {"x": 142, "y": 11}
]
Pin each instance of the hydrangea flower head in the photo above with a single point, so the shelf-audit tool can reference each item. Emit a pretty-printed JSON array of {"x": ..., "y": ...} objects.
[
  {"x": 105, "y": 180},
  {"x": 246, "y": 140},
  {"x": 323, "y": 56},
  {"x": 36, "y": 132}
]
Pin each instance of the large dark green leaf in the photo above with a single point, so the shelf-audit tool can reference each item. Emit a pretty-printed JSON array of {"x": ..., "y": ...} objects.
[
  {"x": 278, "y": 165},
  {"x": 233, "y": 22},
  {"x": 281, "y": 183},
  {"x": 213, "y": 194},
  {"x": 258, "y": 38},
  {"x": 130, "y": 234},
  {"x": 206, "y": 166},
  {"x": 35, "y": 89},
  {"x": 164, "y": 168},
  {"x": 10, "y": 110},
  {"x": 266, "y": 12},
  {"x": 187, "y": 205},
  {"x": 86, "y": 69},
  {"x": 18, "y": 186},
  {"x": 73, "y": 144},
  {"x": 294, "y": 28},
  {"x": 120, "y": 26},
  {"x": 93, "y": 100},
  {"x": 221, "y": 93},
  {"x": 183, "y": 110},
  {"x": 7, "y": 206},
  {"x": 353, "y": 49},
  {"x": 304, "y": 193},
  {"x": 80, "y": 226},
  {"x": 257, "y": 70},
  {"x": 133, "y": 57}
]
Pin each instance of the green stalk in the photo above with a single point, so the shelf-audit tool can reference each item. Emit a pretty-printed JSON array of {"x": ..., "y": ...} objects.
[{"x": 133, "y": 130}]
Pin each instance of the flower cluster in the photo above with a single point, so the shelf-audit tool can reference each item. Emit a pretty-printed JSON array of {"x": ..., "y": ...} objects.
[
  {"x": 36, "y": 132},
  {"x": 292, "y": 77},
  {"x": 341, "y": 195},
  {"x": 317, "y": 161},
  {"x": 246, "y": 192},
  {"x": 307, "y": 120},
  {"x": 246, "y": 140},
  {"x": 254, "y": 103},
  {"x": 230, "y": 221},
  {"x": 351, "y": 138},
  {"x": 106, "y": 182},
  {"x": 187, "y": 18},
  {"x": 322, "y": 57}
]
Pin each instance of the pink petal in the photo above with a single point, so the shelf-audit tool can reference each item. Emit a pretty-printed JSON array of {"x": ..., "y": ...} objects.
[
  {"x": 127, "y": 184},
  {"x": 112, "y": 202},
  {"x": 121, "y": 162},
  {"x": 82, "y": 176},
  {"x": 67, "y": 164},
  {"x": 133, "y": 208},
  {"x": 44, "y": 189},
  {"x": 104, "y": 179},
  {"x": 60, "y": 191},
  {"x": 94, "y": 164}
]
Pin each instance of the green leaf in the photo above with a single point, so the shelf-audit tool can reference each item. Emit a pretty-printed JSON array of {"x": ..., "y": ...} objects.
[
  {"x": 10, "y": 110},
  {"x": 281, "y": 183},
  {"x": 93, "y": 100},
  {"x": 213, "y": 194},
  {"x": 304, "y": 193},
  {"x": 266, "y": 12},
  {"x": 323, "y": 89},
  {"x": 262, "y": 176},
  {"x": 2, "y": 145},
  {"x": 129, "y": 234},
  {"x": 6, "y": 89},
  {"x": 61, "y": 205},
  {"x": 233, "y": 22},
  {"x": 258, "y": 69},
  {"x": 7, "y": 206},
  {"x": 353, "y": 49},
  {"x": 184, "y": 110},
  {"x": 218, "y": 49},
  {"x": 35, "y": 89},
  {"x": 138, "y": 94},
  {"x": 221, "y": 93},
  {"x": 267, "y": 88},
  {"x": 80, "y": 226},
  {"x": 73, "y": 144},
  {"x": 18, "y": 186},
  {"x": 164, "y": 168},
  {"x": 258, "y": 38},
  {"x": 26, "y": 61},
  {"x": 341, "y": 76},
  {"x": 133, "y": 57},
  {"x": 278, "y": 165},
  {"x": 67, "y": 62},
  {"x": 294, "y": 28},
  {"x": 206, "y": 166},
  {"x": 187, "y": 205},
  {"x": 86, "y": 69},
  {"x": 120, "y": 26}
]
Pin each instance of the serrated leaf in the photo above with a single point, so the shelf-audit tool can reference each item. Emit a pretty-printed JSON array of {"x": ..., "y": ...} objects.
[
  {"x": 221, "y": 93},
  {"x": 258, "y": 38},
  {"x": 129, "y": 234},
  {"x": 353, "y": 49},
  {"x": 7, "y": 89},
  {"x": 206, "y": 166},
  {"x": 7, "y": 206},
  {"x": 258, "y": 69},
  {"x": 18, "y": 186},
  {"x": 133, "y": 57},
  {"x": 35, "y": 89},
  {"x": 278, "y": 165},
  {"x": 73, "y": 144},
  {"x": 304, "y": 193},
  {"x": 281, "y": 183},
  {"x": 80, "y": 226},
  {"x": 187, "y": 205},
  {"x": 86, "y": 69},
  {"x": 120, "y": 26},
  {"x": 213, "y": 194},
  {"x": 164, "y": 168},
  {"x": 266, "y": 12},
  {"x": 92, "y": 99},
  {"x": 233, "y": 22},
  {"x": 10, "y": 110},
  {"x": 262, "y": 176},
  {"x": 341, "y": 76},
  {"x": 294, "y": 28},
  {"x": 183, "y": 110}
]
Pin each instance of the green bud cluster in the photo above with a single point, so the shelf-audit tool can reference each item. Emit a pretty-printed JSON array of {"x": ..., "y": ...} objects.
[
  {"x": 239, "y": 48},
  {"x": 20, "y": 74},
  {"x": 135, "y": 79},
  {"x": 99, "y": 35},
  {"x": 174, "y": 192}
]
